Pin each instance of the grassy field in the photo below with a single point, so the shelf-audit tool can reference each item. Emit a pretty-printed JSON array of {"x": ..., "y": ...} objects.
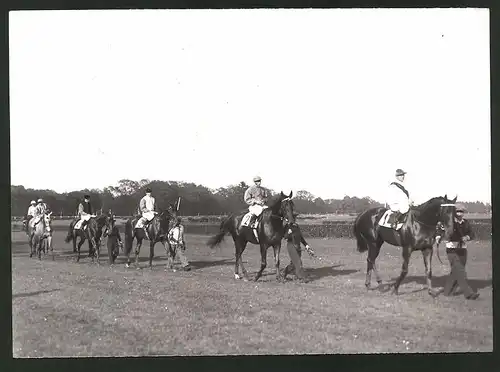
[{"x": 61, "y": 308}]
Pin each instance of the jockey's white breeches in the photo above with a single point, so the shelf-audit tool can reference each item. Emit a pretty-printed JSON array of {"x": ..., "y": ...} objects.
[
  {"x": 399, "y": 207},
  {"x": 148, "y": 215},
  {"x": 256, "y": 209},
  {"x": 85, "y": 217}
]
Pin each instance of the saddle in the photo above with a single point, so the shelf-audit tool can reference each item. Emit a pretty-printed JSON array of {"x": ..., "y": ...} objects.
[
  {"x": 254, "y": 225},
  {"x": 392, "y": 220}
]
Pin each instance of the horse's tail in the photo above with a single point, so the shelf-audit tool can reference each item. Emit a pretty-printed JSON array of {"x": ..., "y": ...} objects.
[
  {"x": 225, "y": 227},
  {"x": 360, "y": 239},
  {"x": 129, "y": 236},
  {"x": 69, "y": 237}
]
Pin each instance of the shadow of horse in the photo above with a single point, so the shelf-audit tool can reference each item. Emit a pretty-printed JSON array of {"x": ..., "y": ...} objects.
[
  {"x": 29, "y": 294},
  {"x": 439, "y": 281},
  {"x": 327, "y": 271}
]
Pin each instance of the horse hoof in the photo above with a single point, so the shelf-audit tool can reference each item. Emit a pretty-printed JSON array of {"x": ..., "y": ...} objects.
[{"x": 236, "y": 276}]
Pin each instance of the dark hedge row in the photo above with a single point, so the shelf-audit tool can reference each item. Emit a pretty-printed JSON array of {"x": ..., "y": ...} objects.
[{"x": 338, "y": 229}]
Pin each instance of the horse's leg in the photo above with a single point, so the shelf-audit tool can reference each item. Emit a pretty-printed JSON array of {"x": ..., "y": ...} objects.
[
  {"x": 373, "y": 253},
  {"x": 49, "y": 242},
  {"x": 137, "y": 251},
  {"x": 263, "y": 261},
  {"x": 151, "y": 253},
  {"x": 30, "y": 240},
  {"x": 74, "y": 243},
  {"x": 427, "y": 256},
  {"x": 404, "y": 269},
  {"x": 97, "y": 248},
  {"x": 240, "y": 246},
  {"x": 276, "y": 250},
  {"x": 80, "y": 243}
]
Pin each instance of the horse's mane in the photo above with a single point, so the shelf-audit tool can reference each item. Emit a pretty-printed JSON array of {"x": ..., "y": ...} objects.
[{"x": 435, "y": 201}]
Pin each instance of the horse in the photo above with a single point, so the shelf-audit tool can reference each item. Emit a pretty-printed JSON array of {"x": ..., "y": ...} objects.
[
  {"x": 37, "y": 233},
  {"x": 158, "y": 229},
  {"x": 270, "y": 231},
  {"x": 417, "y": 233},
  {"x": 93, "y": 232}
]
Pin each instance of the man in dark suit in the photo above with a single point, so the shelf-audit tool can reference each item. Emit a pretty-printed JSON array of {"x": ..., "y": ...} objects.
[{"x": 456, "y": 249}]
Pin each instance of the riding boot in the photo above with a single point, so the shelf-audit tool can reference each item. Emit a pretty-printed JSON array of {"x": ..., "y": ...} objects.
[
  {"x": 145, "y": 228},
  {"x": 252, "y": 220}
]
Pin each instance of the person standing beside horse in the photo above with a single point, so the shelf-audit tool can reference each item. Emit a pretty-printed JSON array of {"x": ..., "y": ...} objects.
[
  {"x": 398, "y": 199},
  {"x": 114, "y": 241},
  {"x": 294, "y": 238},
  {"x": 256, "y": 197},
  {"x": 456, "y": 250},
  {"x": 147, "y": 207},
  {"x": 178, "y": 244}
]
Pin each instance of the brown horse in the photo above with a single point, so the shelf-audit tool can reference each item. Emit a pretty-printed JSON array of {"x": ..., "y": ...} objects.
[
  {"x": 158, "y": 229},
  {"x": 271, "y": 229},
  {"x": 93, "y": 232},
  {"x": 416, "y": 234}
]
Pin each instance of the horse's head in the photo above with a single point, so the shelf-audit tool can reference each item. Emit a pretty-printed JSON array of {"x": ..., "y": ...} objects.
[
  {"x": 104, "y": 224},
  {"x": 446, "y": 215},
  {"x": 47, "y": 219},
  {"x": 438, "y": 210},
  {"x": 286, "y": 209},
  {"x": 166, "y": 215}
]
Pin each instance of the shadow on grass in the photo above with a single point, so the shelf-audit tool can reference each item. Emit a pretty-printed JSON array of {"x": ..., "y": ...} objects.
[
  {"x": 163, "y": 261},
  {"x": 439, "y": 281},
  {"x": 327, "y": 271},
  {"x": 29, "y": 294}
]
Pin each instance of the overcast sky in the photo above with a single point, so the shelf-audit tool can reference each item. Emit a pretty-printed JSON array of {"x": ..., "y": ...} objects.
[{"x": 331, "y": 101}]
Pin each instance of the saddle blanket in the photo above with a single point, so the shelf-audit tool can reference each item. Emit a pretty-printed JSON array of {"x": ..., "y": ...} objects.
[
  {"x": 386, "y": 221},
  {"x": 78, "y": 225}
]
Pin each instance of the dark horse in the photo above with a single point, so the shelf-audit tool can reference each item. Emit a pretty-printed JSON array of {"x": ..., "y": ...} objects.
[
  {"x": 271, "y": 229},
  {"x": 94, "y": 233},
  {"x": 158, "y": 229},
  {"x": 416, "y": 234}
]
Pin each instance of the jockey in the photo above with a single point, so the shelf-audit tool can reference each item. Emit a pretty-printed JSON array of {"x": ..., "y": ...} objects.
[
  {"x": 256, "y": 197},
  {"x": 39, "y": 210},
  {"x": 147, "y": 208},
  {"x": 41, "y": 207},
  {"x": 85, "y": 211},
  {"x": 398, "y": 198},
  {"x": 31, "y": 213}
]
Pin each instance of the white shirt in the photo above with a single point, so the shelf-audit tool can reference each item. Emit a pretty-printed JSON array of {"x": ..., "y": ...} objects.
[
  {"x": 32, "y": 210},
  {"x": 397, "y": 199},
  {"x": 147, "y": 204}
]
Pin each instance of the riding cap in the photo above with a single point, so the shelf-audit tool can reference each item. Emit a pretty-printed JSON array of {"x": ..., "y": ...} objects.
[
  {"x": 400, "y": 172},
  {"x": 148, "y": 189},
  {"x": 40, "y": 200},
  {"x": 257, "y": 178},
  {"x": 460, "y": 208}
]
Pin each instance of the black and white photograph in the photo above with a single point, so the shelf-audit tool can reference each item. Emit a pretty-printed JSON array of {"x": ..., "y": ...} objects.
[{"x": 211, "y": 182}]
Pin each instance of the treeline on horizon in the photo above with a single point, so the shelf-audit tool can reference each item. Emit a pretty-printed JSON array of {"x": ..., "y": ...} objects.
[{"x": 123, "y": 199}]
